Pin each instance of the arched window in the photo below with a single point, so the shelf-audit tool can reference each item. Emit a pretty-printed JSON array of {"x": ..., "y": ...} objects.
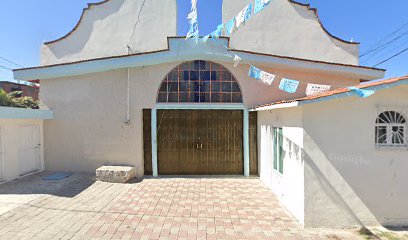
[
  {"x": 390, "y": 130},
  {"x": 199, "y": 82}
]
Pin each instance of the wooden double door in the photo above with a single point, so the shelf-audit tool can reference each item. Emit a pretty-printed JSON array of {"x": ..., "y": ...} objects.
[{"x": 200, "y": 142}]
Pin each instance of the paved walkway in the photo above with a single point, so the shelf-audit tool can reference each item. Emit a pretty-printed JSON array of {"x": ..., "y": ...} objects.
[{"x": 174, "y": 208}]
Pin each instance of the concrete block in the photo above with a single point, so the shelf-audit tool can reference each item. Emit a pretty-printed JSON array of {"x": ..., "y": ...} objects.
[{"x": 115, "y": 174}]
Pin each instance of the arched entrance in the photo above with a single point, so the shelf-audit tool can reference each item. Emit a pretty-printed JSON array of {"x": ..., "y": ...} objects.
[
  {"x": 200, "y": 125},
  {"x": 199, "y": 82}
]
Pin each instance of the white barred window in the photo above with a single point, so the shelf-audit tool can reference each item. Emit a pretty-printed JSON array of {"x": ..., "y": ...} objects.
[{"x": 391, "y": 130}]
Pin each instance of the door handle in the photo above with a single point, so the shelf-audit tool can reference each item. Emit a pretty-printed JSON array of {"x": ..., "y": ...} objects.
[
  {"x": 197, "y": 146},
  {"x": 201, "y": 145}
]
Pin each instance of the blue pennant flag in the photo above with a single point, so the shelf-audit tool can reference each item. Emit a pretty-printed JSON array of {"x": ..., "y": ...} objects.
[
  {"x": 193, "y": 32},
  {"x": 205, "y": 38},
  {"x": 255, "y": 72},
  {"x": 217, "y": 33},
  {"x": 361, "y": 92},
  {"x": 289, "y": 85},
  {"x": 260, "y": 5},
  {"x": 229, "y": 27}
]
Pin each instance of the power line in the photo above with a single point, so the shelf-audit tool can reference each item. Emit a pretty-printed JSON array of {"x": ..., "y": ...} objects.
[
  {"x": 384, "y": 45},
  {"x": 384, "y": 54},
  {"x": 9, "y": 61},
  {"x": 386, "y": 37},
  {"x": 394, "y": 56},
  {"x": 4, "y": 67}
]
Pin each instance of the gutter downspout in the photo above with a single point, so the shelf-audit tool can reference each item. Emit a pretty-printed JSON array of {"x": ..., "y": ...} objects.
[{"x": 127, "y": 122}]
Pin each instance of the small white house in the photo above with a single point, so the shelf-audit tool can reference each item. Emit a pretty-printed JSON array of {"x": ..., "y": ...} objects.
[
  {"x": 336, "y": 159},
  {"x": 21, "y": 141}
]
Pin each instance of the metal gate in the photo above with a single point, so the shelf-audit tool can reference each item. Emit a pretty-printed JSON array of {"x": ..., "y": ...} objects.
[
  {"x": 200, "y": 142},
  {"x": 29, "y": 149}
]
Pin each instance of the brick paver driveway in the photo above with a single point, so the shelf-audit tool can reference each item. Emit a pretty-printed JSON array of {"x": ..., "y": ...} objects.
[{"x": 172, "y": 208}]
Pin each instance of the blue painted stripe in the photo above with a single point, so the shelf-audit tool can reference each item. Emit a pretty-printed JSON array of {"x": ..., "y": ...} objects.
[
  {"x": 183, "y": 50},
  {"x": 231, "y": 106},
  {"x": 23, "y": 113}
]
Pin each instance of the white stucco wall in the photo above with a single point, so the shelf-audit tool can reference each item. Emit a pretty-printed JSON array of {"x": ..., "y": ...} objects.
[
  {"x": 10, "y": 136},
  {"x": 288, "y": 29},
  {"x": 105, "y": 29},
  {"x": 289, "y": 186},
  {"x": 347, "y": 181},
  {"x": 88, "y": 128},
  {"x": 344, "y": 172}
]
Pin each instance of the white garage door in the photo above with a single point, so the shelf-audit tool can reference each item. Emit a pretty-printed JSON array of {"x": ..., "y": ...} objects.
[{"x": 29, "y": 149}]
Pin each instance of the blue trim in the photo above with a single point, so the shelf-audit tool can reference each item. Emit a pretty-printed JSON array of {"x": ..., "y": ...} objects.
[
  {"x": 202, "y": 106},
  {"x": 224, "y": 106},
  {"x": 246, "y": 143},
  {"x": 154, "y": 143},
  {"x": 23, "y": 113},
  {"x": 182, "y": 50}
]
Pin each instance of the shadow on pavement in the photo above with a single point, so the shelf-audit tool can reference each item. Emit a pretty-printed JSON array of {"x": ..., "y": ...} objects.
[{"x": 35, "y": 184}]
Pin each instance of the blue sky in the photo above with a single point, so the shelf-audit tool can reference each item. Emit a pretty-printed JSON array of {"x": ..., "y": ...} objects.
[{"x": 25, "y": 24}]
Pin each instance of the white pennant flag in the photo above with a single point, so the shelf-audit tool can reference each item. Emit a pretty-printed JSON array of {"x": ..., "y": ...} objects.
[
  {"x": 192, "y": 18},
  {"x": 313, "y": 89},
  {"x": 236, "y": 60},
  {"x": 267, "y": 77},
  {"x": 244, "y": 15}
]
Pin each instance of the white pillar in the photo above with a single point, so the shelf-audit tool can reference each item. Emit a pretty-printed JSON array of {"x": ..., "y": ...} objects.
[
  {"x": 154, "y": 142},
  {"x": 246, "y": 143}
]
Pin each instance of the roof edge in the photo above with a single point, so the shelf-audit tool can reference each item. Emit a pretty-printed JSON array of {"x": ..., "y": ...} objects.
[
  {"x": 334, "y": 94},
  {"x": 182, "y": 37},
  {"x": 309, "y": 60},
  {"x": 84, "y": 10},
  {"x": 315, "y": 11}
]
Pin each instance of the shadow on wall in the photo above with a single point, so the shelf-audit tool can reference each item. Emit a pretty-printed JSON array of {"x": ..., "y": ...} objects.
[
  {"x": 78, "y": 37},
  {"x": 294, "y": 149},
  {"x": 322, "y": 180}
]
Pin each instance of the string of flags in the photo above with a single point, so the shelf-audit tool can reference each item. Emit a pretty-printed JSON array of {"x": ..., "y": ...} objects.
[
  {"x": 241, "y": 18},
  {"x": 287, "y": 85},
  {"x": 291, "y": 86},
  {"x": 260, "y": 75},
  {"x": 192, "y": 18}
]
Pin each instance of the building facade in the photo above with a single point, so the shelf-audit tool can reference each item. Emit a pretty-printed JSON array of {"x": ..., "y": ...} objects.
[{"x": 170, "y": 106}]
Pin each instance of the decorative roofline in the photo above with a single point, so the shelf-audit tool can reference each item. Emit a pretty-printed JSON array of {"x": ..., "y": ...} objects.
[
  {"x": 90, "y": 5},
  {"x": 315, "y": 11}
]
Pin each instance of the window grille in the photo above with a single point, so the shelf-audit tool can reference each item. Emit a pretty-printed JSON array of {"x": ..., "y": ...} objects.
[
  {"x": 391, "y": 129},
  {"x": 198, "y": 82}
]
